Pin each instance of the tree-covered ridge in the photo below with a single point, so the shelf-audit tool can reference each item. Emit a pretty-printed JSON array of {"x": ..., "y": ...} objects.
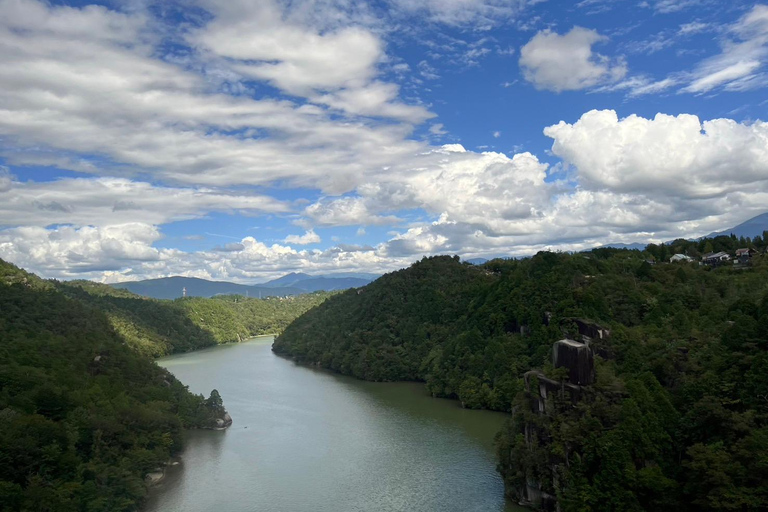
[
  {"x": 157, "y": 327},
  {"x": 83, "y": 418},
  {"x": 385, "y": 330},
  {"x": 677, "y": 417}
]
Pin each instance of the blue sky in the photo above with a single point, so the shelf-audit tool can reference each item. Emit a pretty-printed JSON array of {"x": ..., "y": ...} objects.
[{"x": 241, "y": 140}]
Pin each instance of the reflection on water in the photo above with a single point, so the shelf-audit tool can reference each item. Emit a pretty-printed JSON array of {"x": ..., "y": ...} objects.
[{"x": 308, "y": 440}]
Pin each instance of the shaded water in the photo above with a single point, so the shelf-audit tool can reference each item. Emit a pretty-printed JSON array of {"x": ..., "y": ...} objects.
[{"x": 306, "y": 440}]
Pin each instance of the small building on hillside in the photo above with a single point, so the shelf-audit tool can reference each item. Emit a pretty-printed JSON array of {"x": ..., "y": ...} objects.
[
  {"x": 715, "y": 259},
  {"x": 745, "y": 255},
  {"x": 680, "y": 257}
]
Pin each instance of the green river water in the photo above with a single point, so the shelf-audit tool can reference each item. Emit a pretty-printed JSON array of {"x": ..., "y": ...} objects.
[{"x": 305, "y": 440}]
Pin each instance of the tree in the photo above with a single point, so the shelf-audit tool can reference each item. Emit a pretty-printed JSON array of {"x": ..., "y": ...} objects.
[{"x": 215, "y": 404}]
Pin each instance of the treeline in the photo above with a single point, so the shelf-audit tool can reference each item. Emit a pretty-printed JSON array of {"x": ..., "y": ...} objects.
[
  {"x": 156, "y": 327},
  {"x": 83, "y": 417},
  {"x": 698, "y": 248},
  {"x": 677, "y": 418}
]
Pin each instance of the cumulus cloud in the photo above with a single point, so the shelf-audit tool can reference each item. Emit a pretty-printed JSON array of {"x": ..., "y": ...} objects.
[
  {"x": 309, "y": 237},
  {"x": 83, "y": 89},
  {"x": 345, "y": 211},
  {"x": 566, "y": 62},
  {"x": 68, "y": 251},
  {"x": 125, "y": 252},
  {"x": 667, "y": 155}
]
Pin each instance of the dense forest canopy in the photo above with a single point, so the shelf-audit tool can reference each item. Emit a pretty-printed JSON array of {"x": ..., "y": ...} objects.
[
  {"x": 677, "y": 415},
  {"x": 83, "y": 416},
  {"x": 157, "y": 327}
]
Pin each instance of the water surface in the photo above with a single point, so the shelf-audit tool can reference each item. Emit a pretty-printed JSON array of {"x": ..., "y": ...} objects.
[{"x": 305, "y": 440}]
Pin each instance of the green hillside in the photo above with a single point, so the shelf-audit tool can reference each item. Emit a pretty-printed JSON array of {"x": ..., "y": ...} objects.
[
  {"x": 83, "y": 417},
  {"x": 158, "y": 327},
  {"x": 674, "y": 415}
]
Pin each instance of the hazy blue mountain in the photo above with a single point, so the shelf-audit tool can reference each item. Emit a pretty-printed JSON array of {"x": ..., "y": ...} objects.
[
  {"x": 314, "y": 284},
  {"x": 287, "y": 280},
  {"x": 327, "y": 282},
  {"x": 476, "y": 261},
  {"x": 171, "y": 288},
  {"x": 294, "y": 283},
  {"x": 751, "y": 228}
]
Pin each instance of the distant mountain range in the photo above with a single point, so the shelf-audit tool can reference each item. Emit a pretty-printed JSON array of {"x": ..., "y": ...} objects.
[
  {"x": 291, "y": 284},
  {"x": 317, "y": 283},
  {"x": 750, "y": 228}
]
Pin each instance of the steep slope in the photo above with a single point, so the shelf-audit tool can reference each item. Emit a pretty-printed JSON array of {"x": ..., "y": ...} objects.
[
  {"x": 158, "y": 327},
  {"x": 654, "y": 401},
  {"x": 82, "y": 417},
  {"x": 383, "y": 331}
]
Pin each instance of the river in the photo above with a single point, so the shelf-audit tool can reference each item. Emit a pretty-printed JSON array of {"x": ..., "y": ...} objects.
[{"x": 306, "y": 440}]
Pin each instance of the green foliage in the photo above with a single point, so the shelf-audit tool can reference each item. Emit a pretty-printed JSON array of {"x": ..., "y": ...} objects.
[
  {"x": 156, "y": 327},
  {"x": 83, "y": 417},
  {"x": 678, "y": 415}
]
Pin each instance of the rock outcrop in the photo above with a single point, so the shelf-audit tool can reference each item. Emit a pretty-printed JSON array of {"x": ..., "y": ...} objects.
[
  {"x": 223, "y": 422},
  {"x": 548, "y": 397},
  {"x": 577, "y": 358}
]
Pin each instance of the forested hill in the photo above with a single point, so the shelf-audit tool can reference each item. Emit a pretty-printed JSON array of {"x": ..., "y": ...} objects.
[
  {"x": 156, "y": 327},
  {"x": 83, "y": 417},
  {"x": 673, "y": 415},
  {"x": 385, "y": 330}
]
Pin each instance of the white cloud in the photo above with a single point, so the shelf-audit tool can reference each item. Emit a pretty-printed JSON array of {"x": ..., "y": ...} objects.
[
  {"x": 345, "y": 211},
  {"x": 693, "y": 27},
  {"x": 567, "y": 62},
  {"x": 291, "y": 56},
  {"x": 125, "y": 252},
  {"x": 640, "y": 85},
  {"x": 309, "y": 237},
  {"x": 722, "y": 76},
  {"x": 98, "y": 90},
  {"x": 375, "y": 99},
  {"x": 670, "y": 6},
  {"x": 676, "y": 156},
  {"x": 485, "y": 189},
  {"x": 6, "y": 179},
  {"x": 69, "y": 251},
  {"x": 104, "y": 201},
  {"x": 335, "y": 67},
  {"x": 743, "y": 57},
  {"x": 83, "y": 89},
  {"x": 479, "y": 13},
  {"x": 437, "y": 129},
  {"x": 637, "y": 180}
]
